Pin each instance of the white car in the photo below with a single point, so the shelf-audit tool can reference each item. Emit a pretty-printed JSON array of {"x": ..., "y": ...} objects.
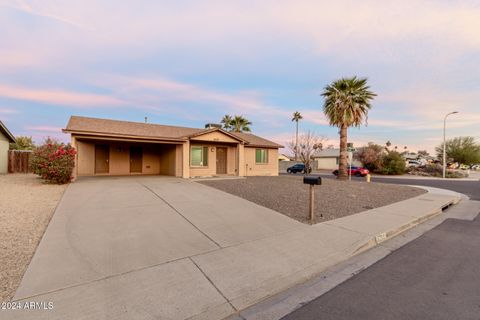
[{"x": 413, "y": 163}]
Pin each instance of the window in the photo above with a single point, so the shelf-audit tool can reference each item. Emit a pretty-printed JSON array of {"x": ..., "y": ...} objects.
[
  {"x": 199, "y": 156},
  {"x": 261, "y": 156},
  {"x": 337, "y": 160}
]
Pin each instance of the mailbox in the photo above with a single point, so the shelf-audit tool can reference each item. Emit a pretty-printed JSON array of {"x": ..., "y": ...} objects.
[{"x": 312, "y": 180}]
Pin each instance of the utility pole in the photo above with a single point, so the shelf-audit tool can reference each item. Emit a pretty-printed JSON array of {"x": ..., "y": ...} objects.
[{"x": 444, "y": 143}]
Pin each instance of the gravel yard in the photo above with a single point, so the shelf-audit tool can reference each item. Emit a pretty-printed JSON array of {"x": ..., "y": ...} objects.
[
  {"x": 333, "y": 199},
  {"x": 26, "y": 206}
]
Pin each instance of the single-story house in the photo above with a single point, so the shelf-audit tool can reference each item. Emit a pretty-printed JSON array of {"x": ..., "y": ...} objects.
[
  {"x": 283, "y": 157},
  {"x": 6, "y": 137},
  {"x": 328, "y": 159},
  {"x": 111, "y": 147}
]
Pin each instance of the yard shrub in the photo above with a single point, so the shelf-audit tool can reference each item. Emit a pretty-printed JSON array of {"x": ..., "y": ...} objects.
[
  {"x": 392, "y": 163},
  {"x": 435, "y": 170},
  {"x": 54, "y": 161}
]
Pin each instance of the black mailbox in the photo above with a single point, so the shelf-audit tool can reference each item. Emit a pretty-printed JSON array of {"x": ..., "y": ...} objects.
[{"x": 312, "y": 180}]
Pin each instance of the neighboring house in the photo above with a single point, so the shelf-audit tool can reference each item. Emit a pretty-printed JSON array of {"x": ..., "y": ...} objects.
[
  {"x": 328, "y": 159},
  {"x": 5, "y": 138},
  {"x": 110, "y": 147},
  {"x": 283, "y": 157}
]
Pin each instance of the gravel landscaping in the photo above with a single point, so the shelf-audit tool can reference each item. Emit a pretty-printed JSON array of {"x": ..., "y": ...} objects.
[
  {"x": 27, "y": 205},
  {"x": 333, "y": 199}
]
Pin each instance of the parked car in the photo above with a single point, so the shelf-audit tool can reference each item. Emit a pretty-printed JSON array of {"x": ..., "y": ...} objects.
[
  {"x": 299, "y": 167},
  {"x": 355, "y": 171},
  {"x": 475, "y": 167},
  {"x": 413, "y": 163}
]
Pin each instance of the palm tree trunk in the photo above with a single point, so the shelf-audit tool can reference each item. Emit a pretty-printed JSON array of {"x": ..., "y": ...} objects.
[
  {"x": 342, "y": 166},
  {"x": 296, "y": 144}
]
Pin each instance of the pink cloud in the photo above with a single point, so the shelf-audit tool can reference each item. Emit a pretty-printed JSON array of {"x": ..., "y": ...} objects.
[
  {"x": 59, "y": 97},
  {"x": 7, "y": 111},
  {"x": 45, "y": 129}
]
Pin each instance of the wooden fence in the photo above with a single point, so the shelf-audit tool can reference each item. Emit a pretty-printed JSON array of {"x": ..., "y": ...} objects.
[{"x": 18, "y": 161}]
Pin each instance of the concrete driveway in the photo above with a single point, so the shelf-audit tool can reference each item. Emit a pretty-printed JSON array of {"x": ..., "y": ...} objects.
[{"x": 128, "y": 241}]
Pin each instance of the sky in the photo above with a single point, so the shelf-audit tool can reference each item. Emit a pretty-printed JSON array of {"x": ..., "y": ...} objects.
[{"x": 188, "y": 63}]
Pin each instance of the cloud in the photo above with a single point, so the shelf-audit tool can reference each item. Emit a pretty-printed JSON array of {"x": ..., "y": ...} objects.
[
  {"x": 59, "y": 97},
  {"x": 41, "y": 10},
  {"x": 44, "y": 129},
  {"x": 6, "y": 111}
]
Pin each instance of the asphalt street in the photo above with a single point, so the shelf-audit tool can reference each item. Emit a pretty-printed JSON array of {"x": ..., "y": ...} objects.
[{"x": 436, "y": 276}]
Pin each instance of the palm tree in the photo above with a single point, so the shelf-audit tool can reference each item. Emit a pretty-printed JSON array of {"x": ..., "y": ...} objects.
[
  {"x": 227, "y": 122},
  {"x": 346, "y": 104},
  {"x": 239, "y": 124},
  {"x": 296, "y": 117}
]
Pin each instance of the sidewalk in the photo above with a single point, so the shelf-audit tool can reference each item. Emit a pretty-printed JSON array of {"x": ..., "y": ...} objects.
[
  {"x": 473, "y": 176},
  {"x": 232, "y": 277}
]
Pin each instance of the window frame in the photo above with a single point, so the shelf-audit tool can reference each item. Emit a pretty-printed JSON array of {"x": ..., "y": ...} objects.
[
  {"x": 204, "y": 156},
  {"x": 266, "y": 156}
]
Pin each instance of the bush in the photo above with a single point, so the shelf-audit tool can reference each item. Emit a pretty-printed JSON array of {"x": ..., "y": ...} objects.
[
  {"x": 370, "y": 156},
  {"x": 435, "y": 170},
  {"x": 54, "y": 161},
  {"x": 392, "y": 163}
]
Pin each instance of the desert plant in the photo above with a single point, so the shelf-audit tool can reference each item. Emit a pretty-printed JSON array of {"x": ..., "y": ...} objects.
[
  {"x": 463, "y": 150},
  {"x": 392, "y": 163},
  {"x": 226, "y": 122},
  {"x": 370, "y": 156},
  {"x": 296, "y": 117},
  {"x": 236, "y": 123},
  {"x": 54, "y": 161},
  {"x": 346, "y": 104},
  {"x": 22, "y": 143}
]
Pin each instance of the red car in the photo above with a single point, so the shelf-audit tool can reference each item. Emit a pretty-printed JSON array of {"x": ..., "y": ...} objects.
[{"x": 355, "y": 171}]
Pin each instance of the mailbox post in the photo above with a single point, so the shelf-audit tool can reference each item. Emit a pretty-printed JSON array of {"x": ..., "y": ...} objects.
[{"x": 312, "y": 181}]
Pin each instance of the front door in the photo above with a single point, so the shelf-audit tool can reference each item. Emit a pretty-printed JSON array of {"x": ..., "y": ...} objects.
[
  {"x": 136, "y": 158},
  {"x": 221, "y": 160},
  {"x": 102, "y": 155}
]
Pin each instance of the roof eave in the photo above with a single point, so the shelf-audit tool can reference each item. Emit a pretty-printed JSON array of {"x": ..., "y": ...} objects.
[
  {"x": 196, "y": 134},
  {"x": 116, "y": 135},
  {"x": 7, "y": 133}
]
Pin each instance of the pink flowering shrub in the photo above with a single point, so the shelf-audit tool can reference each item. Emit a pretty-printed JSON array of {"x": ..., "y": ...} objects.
[{"x": 54, "y": 161}]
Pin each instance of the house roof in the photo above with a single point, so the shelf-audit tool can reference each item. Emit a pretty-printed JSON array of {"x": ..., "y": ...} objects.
[
  {"x": 6, "y": 132},
  {"x": 327, "y": 153},
  {"x": 85, "y": 125},
  {"x": 256, "y": 140}
]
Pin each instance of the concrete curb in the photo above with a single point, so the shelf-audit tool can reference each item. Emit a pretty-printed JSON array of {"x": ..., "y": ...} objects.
[{"x": 378, "y": 247}]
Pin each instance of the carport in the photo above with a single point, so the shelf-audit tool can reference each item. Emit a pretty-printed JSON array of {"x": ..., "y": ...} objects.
[{"x": 104, "y": 156}]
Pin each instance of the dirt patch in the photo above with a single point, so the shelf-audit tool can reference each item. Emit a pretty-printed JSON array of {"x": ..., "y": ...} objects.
[
  {"x": 26, "y": 207},
  {"x": 333, "y": 199}
]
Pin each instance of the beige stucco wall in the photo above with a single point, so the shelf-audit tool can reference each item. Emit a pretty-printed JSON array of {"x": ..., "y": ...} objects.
[
  {"x": 85, "y": 158},
  {"x": 4, "y": 145},
  {"x": 211, "y": 169},
  {"x": 330, "y": 163},
  {"x": 179, "y": 161},
  {"x": 168, "y": 154},
  {"x": 326, "y": 163},
  {"x": 254, "y": 169},
  {"x": 215, "y": 136}
]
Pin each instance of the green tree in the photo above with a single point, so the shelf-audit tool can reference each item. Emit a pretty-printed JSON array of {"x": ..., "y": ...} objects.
[
  {"x": 226, "y": 122},
  {"x": 423, "y": 153},
  {"x": 393, "y": 163},
  {"x": 463, "y": 150},
  {"x": 22, "y": 143},
  {"x": 347, "y": 102},
  {"x": 240, "y": 124},
  {"x": 296, "y": 117}
]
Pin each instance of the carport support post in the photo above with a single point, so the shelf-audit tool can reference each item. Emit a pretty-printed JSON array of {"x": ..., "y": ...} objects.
[{"x": 311, "y": 208}]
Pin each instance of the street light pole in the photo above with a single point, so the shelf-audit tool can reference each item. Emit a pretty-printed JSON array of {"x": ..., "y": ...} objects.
[{"x": 444, "y": 143}]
